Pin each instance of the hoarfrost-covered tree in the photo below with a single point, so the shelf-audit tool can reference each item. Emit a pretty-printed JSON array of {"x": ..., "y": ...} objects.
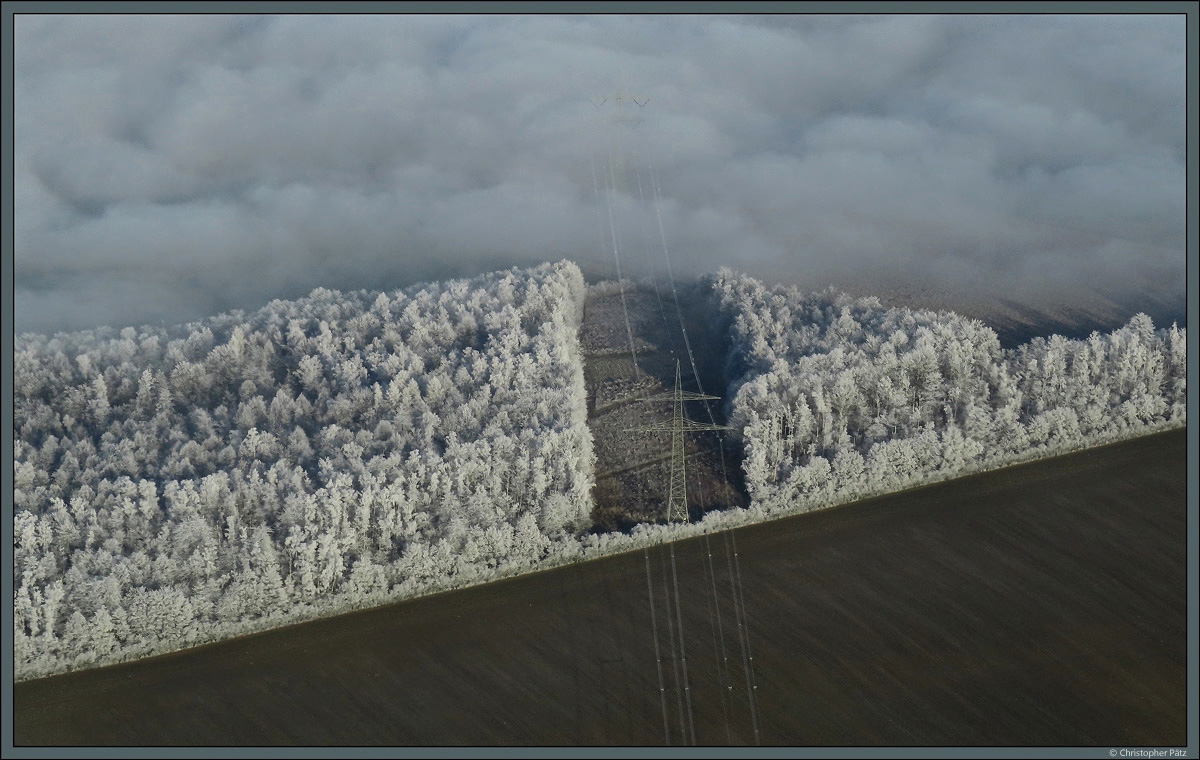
[
  {"x": 177, "y": 485},
  {"x": 822, "y": 381}
]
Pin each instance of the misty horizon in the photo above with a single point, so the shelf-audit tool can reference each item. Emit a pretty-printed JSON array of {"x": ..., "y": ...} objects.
[{"x": 170, "y": 168}]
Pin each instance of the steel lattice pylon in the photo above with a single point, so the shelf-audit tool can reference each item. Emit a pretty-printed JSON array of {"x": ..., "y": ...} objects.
[{"x": 677, "y": 508}]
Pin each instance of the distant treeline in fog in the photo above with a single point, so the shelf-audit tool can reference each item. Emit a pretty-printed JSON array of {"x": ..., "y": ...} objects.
[{"x": 836, "y": 397}]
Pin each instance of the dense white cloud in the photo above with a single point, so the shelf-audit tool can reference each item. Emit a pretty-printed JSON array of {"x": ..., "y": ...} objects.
[{"x": 168, "y": 167}]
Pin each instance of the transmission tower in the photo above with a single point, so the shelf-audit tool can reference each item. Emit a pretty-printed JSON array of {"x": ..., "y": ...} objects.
[
  {"x": 620, "y": 102},
  {"x": 677, "y": 508}
]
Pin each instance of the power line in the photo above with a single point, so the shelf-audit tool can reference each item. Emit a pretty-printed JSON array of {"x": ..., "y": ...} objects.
[
  {"x": 718, "y": 629},
  {"x": 739, "y": 611},
  {"x": 637, "y": 173},
  {"x": 687, "y": 688},
  {"x": 617, "y": 257},
  {"x": 674, "y": 659},
  {"x": 737, "y": 565},
  {"x": 679, "y": 313},
  {"x": 662, "y": 689}
]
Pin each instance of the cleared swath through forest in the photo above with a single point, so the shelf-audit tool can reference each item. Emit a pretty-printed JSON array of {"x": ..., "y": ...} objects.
[
  {"x": 1043, "y": 604},
  {"x": 632, "y": 468}
]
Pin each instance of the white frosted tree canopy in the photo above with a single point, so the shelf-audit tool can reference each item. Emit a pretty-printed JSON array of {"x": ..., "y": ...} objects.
[{"x": 174, "y": 486}]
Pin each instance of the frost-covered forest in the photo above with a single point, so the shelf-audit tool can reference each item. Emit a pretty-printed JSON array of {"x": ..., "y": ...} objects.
[
  {"x": 837, "y": 397},
  {"x": 175, "y": 486},
  {"x": 178, "y": 486}
]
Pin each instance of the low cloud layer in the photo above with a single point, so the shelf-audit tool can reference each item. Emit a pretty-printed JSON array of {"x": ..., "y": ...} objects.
[{"x": 171, "y": 167}]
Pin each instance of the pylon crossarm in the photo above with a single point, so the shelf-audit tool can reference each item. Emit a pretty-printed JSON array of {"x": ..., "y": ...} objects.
[
  {"x": 685, "y": 426},
  {"x": 683, "y": 396}
]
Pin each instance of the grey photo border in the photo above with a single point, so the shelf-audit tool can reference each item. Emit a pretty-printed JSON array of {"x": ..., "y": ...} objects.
[{"x": 10, "y": 9}]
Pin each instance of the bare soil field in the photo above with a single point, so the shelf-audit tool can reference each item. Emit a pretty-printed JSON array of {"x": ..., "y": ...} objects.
[{"x": 1042, "y": 604}]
